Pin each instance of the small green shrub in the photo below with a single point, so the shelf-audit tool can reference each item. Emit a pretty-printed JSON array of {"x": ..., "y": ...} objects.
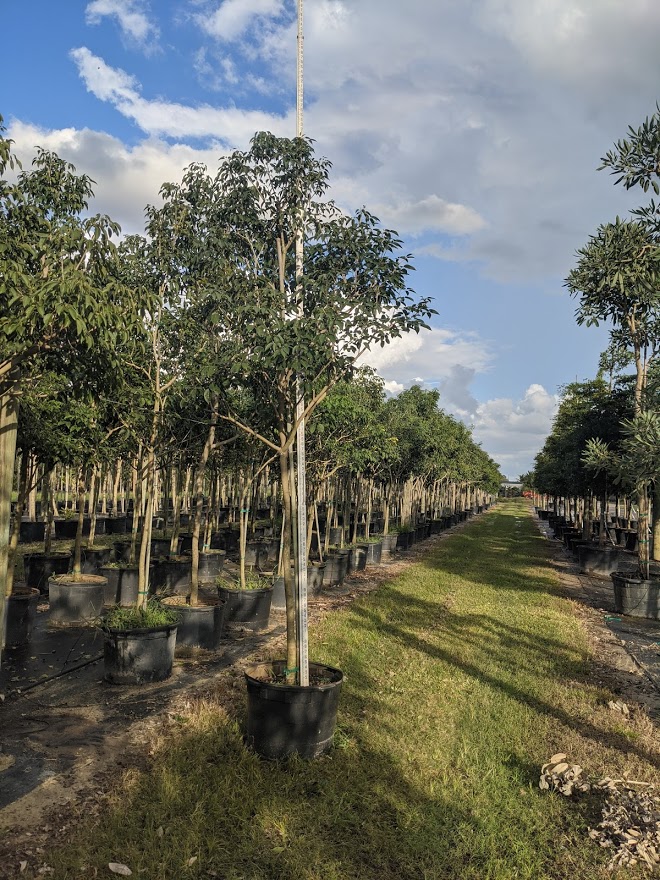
[{"x": 153, "y": 615}]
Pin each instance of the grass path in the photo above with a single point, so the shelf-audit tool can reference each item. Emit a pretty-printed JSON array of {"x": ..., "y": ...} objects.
[{"x": 463, "y": 676}]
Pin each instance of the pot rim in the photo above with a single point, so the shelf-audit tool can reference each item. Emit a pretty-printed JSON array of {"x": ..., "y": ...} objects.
[
  {"x": 136, "y": 631},
  {"x": 83, "y": 580},
  {"x": 326, "y": 686},
  {"x": 29, "y": 593}
]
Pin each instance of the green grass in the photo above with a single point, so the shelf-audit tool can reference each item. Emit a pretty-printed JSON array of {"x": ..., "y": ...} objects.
[{"x": 462, "y": 676}]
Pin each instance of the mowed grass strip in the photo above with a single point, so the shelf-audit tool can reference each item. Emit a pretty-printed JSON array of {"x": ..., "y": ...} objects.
[{"x": 463, "y": 676}]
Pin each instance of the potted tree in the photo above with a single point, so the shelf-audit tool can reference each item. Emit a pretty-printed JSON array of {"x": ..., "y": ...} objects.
[
  {"x": 291, "y": 338},
  {"x": 617, "y": 279},
  {"x": 637, "y": 463},
  {"x": 62, "y": 304}
]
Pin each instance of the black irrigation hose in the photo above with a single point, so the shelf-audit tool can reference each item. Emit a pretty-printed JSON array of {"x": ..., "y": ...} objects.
[{"x": 29, "y": 687}]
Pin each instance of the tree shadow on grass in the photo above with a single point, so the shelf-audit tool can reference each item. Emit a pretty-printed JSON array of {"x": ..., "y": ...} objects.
[
  {"x": 352, "y": 815},
  {"x": 484, "y": 647},
  {"x": 508, "y": 555}
]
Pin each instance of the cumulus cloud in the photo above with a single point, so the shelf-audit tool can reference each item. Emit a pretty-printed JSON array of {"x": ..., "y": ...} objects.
[
  {"x": 229, "y": 125},
  {"x": 430, "y": 357},
  {"x": 472, "y": 121},
  {"x": 431, "y": 214},
  {"x": 513, "y": 431},
  {"x": 233, "y": 18},
  {"x": 127, "y": 178},
  {"x": 130, "y": 15}
]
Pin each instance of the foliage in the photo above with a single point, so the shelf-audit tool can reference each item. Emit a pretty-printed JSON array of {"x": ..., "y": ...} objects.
[
  {"x": 59, "y": 296},
  {"x": 636, "y": 462},
  {"x": 349, "y": 430},
  {"x": 617, "y": 279},
  {"x": 253, "y": 581},
  {"x": 636, "y": 159},
  {"x": 588, "y": 410},
  {"x": 150, "y": 616},
  {"x": 240, "y": 275},
  {"x": 433, "y": 445}
]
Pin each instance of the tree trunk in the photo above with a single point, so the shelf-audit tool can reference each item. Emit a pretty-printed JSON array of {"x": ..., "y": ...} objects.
[
  {"x": 94, "y": 484},
  {"x": 199, "y": 500},
  {"x": 145, "y": 544},
  {"x": 388, "y": 508},
  {"x": 288, "y": 573},
  {"x": 655, "y": 529},
  {"x": 176, "y": 510},
  {"x": 643, "y": 530},
  {"x": 77, "y": 547},
  {"x": 8, "y": 431},
  {"x": 23, "y": 484}
]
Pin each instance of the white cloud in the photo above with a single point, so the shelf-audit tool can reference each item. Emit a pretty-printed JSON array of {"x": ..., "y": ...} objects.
[
  {"x": 127, "y": 178},
  {"x": 513, "y": 431},
  {"x": 429, "y": 357},
  {"x": 233, "y": 18},
  {"x": 431, "y": 214},
  {"x": 130, "y": 15},
  {"x": 580, "y": 41},
  {"x": 437, "y": 358},
  {"x": 228, "y": 125},
  {"x": 443, "y": 119}
]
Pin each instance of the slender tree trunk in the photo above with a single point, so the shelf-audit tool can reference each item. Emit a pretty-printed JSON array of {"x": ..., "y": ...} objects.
[
  {"x": 77, "y": 547},
  {"x": 94, "y": 483},
  {"x": 32, "y": 491},
  {"x": 23, "y": 484},
  {"x": 145, "y": 544},
  {"x": 367, "y": 525},
  {"x": 176, "y": 511},
  {"x": 186, "y": 491},
  {"x": 386, "y": 503},
  {"x": 655, "y": 523},
  {"x": 318, "y": 529},
  {"x": 51, "y": 483},
  {"x": 288, "y": 573},
  {"x": 137, "y": 505},
  {"x": 358, "y": 502},
  {"x": 199, "y": 500},
  {"x": 8, "y": 431}
]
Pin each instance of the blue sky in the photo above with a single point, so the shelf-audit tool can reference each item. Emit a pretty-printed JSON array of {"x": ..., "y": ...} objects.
[{"x": 473, "y": 127}]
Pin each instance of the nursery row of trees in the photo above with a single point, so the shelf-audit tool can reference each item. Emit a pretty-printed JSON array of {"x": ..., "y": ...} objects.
[
  {"x": 605, "y": 440},
  {"x": 182, "y": 354}
]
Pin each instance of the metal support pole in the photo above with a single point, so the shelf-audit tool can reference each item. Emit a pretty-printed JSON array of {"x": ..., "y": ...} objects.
[{"x": 301, "y": 556}]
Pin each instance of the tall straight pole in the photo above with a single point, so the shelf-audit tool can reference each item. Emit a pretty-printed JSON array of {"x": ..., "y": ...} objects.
[{"x": 301, "y": 579}]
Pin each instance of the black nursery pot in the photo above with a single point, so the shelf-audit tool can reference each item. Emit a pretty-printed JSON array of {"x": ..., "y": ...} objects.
[
  {"x": 138, "y": 656},
  {"x": 95, "y": 557},
  {"x": 21, "y": 615},
  {"x": 76, "y": 602},
  {"x": 40, "y": 566},
  {"x": 288, "y": 719},
  {"x": 122, "y": 585},
  {"x": 31, "y": 532},
  {"x": 200, "y": 626},
  {"x": 249, "y": 608},
  {"x": 636, "y": 597},
  {"x": 211, "y": 563}
]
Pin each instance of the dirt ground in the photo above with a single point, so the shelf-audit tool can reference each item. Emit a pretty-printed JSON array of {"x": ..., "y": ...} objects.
[{"x": 65, "y": 742}]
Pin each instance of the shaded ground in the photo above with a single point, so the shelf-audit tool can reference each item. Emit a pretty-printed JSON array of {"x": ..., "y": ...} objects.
[
  {"x": 65, "y": 733},
  {"x": 65, "y": 737},
  {"x": 626, "y": 649}
]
